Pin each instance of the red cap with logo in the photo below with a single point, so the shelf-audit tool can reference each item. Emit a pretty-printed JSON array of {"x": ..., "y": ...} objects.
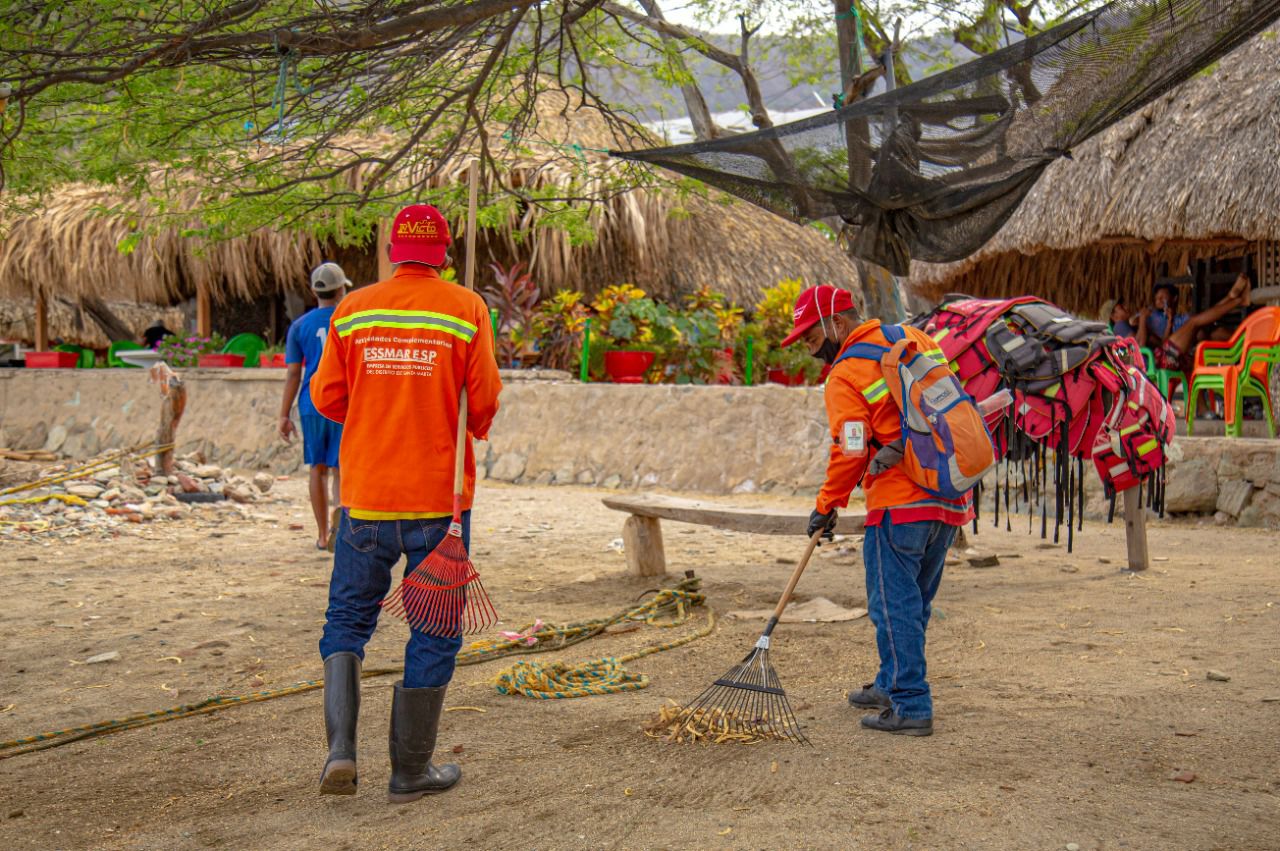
[
  {"x": 817, "y": 303},
  {"x": 419, "y": 234}
]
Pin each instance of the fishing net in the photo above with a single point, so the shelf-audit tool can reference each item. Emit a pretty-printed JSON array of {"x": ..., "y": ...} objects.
[{"x": 932, "y": 170}]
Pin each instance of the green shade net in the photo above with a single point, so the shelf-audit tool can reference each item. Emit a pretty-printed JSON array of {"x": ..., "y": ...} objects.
[{"x": 932, "y": 170}]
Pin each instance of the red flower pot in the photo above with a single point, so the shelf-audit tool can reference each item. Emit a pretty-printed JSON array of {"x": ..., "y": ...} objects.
[
  {"x": 627, "y": 367},
  {"x": 274, "y": 362},
  {"x": 51, "y": 360},
  {"x": 780, "y": 376},
  {"x": 724, "y": 367},
  {"x": 220, "y": 360}
]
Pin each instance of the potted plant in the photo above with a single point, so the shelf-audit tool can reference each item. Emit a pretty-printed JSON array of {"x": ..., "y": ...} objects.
[
  {"x": 515, "y": 297},
  {"x": 771, "y": 323},
  {"x": 272, "y": 357},
  {"x": 632, "y": 327},
  {"x": 187, "y": 350},
  {"x": 559, "y": 326}
]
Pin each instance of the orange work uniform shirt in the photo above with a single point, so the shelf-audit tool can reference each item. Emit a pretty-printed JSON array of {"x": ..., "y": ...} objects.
[
  {"x": 398, "y": 355},
  {"x": 856, "y": 393}
]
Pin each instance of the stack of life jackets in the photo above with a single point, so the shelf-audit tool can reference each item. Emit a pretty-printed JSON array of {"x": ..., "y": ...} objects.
[{"x": 1080, "y": 394}]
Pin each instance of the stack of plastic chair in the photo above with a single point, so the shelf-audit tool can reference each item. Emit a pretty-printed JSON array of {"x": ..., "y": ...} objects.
[
  {"x": 1238, "y": 369},
  {"x": 249, "y": 345},
  {"x": 113, "y": 357}
]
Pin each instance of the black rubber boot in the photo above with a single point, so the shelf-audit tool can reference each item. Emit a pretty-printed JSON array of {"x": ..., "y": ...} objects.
[
  {"x": 415, "y": 719},
  {"x": 869, "y": 697},
  {"x": 341, "y": 709}
]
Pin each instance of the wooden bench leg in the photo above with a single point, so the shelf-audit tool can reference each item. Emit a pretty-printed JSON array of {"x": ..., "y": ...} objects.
[{"x": 642, "y": 542}]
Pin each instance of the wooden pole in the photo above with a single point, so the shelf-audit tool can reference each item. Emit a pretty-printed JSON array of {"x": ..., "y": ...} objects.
[
  {"x": 173, "y": 393},
  {"x": 42, "y": 322},
  {"x": 204, "y": 313},
  {"x": 473, "y": 197},
  {"x": 384, "y": 239},
  {"x": 1135, "y": 529}
]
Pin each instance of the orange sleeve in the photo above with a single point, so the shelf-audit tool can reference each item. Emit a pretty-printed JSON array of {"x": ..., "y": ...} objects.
[
  {"x": 329, "y": 389},
  {"x": 844, "y": 472},
  {"x": 483, "y": 383}
]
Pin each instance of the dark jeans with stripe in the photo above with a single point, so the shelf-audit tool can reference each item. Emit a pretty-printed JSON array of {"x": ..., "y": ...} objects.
[
  {"x": 904, "y": 569},
  {"x": 365, "y": 553}
]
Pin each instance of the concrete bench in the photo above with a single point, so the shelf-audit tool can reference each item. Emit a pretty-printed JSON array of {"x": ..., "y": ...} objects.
[{"x": 642, "y": 531}]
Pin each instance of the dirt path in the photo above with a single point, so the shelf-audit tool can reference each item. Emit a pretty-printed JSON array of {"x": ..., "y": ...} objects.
[{"x": 1068, "y": 695}]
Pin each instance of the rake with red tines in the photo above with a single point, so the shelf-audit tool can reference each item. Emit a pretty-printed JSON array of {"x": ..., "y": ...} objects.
[{"x": 443, "y": 595}]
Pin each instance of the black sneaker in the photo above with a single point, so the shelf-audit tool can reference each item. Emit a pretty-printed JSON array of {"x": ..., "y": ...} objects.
[
  {"x": 889, "y": 721},
  {"x": 869, "y": 697}
]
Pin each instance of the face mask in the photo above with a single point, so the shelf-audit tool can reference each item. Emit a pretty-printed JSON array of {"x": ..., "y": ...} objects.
[{"x": 828, "y": 351}]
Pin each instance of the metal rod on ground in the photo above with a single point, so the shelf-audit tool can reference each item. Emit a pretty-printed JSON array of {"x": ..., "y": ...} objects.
[{"x": 583, "y": 373}]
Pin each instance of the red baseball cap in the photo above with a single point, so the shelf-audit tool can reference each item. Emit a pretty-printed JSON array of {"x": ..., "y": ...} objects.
[
  {"x": 817, "y": 303},
  {"x": 419, "y": 234}
]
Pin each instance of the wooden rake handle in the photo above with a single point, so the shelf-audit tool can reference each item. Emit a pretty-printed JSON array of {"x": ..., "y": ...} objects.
[
  {"x": 795, "y": 577},
  {"x": 469, "y": 276}
]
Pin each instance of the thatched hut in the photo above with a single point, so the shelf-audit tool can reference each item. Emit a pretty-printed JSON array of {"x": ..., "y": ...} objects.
[
  {"x": 1186, "y": 190},
  {"x": 667, "y": 244}
]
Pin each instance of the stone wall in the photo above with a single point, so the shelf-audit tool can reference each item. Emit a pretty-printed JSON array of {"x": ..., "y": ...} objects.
[
  {"x": 710, "y": 439},
  {"x": 707, "y": 439}
]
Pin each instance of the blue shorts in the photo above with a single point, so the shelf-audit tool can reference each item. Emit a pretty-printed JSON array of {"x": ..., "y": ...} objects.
[{"x": 320, "y": 440}]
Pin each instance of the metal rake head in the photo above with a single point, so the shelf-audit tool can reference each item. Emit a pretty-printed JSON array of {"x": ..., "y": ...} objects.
[{"x": 746, "y": 704}]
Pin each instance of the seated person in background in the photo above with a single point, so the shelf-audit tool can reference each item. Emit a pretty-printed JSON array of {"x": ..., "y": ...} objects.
[
  {"x": 153, "y": 335},
  {"x": 1172, "y": 336},
  {"x": 1117, "y": 316}
]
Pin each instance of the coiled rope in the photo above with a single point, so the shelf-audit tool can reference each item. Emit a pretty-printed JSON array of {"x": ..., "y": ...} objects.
[{"x": 675, "y": 601}]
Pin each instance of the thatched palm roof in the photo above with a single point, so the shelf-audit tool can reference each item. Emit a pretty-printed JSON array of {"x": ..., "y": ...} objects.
[
  {"x": 651, "y": 238},
  {"x": 71, "y": 324},
  {"x": 1193, "y": 175}
]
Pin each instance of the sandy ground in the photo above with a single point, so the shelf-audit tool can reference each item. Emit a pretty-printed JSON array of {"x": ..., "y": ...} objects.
[{"x": 1068, "y": 696}]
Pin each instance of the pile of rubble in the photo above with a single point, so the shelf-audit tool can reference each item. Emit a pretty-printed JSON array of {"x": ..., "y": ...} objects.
[{"x": 104, "y": 495}]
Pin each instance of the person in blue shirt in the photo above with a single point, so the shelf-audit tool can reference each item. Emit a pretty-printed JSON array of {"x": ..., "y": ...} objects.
[
  {"x": 320, "y": 437},
  {"x": 1172, "y": 335}
]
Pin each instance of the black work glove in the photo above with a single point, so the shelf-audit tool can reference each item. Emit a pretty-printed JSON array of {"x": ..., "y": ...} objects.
[
  {"x": 825, "y": 522},
  {"x": 887, "y": 457}
]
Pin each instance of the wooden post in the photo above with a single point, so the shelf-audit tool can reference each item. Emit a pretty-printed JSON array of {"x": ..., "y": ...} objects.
[
  {"x": 384, "y": 239},
  {"x": 642, "y": 542},
  {"x": 42, "y": 322},
  {"x": 204, "y": 313},
  {"x": 1135, "y": 529},
  {"x": 173, "y": 393}
]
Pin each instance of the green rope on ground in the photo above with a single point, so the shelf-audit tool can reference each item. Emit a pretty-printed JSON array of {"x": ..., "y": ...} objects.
[
  {"x": 667, "y": 601},
  {"x": 606, "y": 675}
]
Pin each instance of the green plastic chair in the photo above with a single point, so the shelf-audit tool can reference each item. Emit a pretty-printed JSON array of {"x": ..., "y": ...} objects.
[
  {"x": 1164, "y": 379},
  {"x": 249, "y": 345},
  {"x": 86, "y": 356},
  {"x": 113, "y": 357},
  {"x": 1246, "y": 355}
]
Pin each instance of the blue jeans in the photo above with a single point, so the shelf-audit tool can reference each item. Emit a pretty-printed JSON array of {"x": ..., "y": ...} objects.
[
  {"x": 904, "y": 569},
  {"x": 365, "y": 552}
]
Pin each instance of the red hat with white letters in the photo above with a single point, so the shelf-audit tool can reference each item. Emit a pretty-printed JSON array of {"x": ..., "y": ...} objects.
[
  {"x": 419, "y": 234},
  {"x": 816, "y": 304}
]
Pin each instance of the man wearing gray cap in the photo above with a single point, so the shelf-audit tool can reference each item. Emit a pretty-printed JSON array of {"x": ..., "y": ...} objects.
[{"x": 320, "y": 436}]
